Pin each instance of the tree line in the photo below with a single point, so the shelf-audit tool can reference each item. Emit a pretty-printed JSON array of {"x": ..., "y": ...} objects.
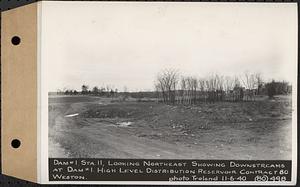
[
  {"x": 107, "y": 91},
  {"x": 172, "y": 87}
]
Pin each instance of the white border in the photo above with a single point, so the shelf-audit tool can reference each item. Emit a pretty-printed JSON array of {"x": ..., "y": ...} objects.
[
  {"x": 39, "y": 89},
  {"x": 44, "y": 103}
]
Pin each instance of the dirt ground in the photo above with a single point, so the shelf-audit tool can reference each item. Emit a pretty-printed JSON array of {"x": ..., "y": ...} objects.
[{"x": 94, "y": 127}]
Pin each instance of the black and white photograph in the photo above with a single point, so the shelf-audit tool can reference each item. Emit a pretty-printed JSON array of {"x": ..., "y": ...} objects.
[{"x": 209, "y": 81}]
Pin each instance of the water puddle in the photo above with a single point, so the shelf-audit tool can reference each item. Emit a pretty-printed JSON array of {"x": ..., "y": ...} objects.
[
  {"x": 71, "y": 115},
  {"x": 124, "y": 124}
]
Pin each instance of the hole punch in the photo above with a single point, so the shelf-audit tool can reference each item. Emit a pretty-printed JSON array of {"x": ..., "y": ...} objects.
[
  {"x": 15, "y": 143},
  {"x": 16, "y": 40}
]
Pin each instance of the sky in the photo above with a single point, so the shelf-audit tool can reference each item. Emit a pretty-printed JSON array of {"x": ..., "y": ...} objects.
[{"x": 127, "y": 44}]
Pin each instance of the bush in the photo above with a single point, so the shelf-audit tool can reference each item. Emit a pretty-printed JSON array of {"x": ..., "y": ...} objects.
[
  {"x": 276, "y": 88},
  {"x": 271, "y": 89}
]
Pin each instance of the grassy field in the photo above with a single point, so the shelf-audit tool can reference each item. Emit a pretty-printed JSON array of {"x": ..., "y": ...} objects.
[{"x": 87, "y": 126}]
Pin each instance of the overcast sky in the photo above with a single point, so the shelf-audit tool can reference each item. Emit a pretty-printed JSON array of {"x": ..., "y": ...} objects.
[{"x": 127, "y": 44}]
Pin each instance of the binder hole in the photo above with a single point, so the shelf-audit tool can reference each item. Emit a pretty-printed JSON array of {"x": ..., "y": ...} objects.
[
  {"x": 16, "y": 40},
  {"x": 15, "y": 143}
]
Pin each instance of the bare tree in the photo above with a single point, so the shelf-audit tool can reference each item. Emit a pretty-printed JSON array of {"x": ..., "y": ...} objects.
[
  {"x": 249, "y": 81},
  {"x": 192, "y": 86},
  {"x": 203, "y": 89},
  {"x": 167, "y": 81},
  {"x": 259, "y": 83},
  {"x": 183, "y": 89},
  {"x": 160, "y": 87},
  {"x": 228, "y": 83},
  {"x": 213, "y": 84}
]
